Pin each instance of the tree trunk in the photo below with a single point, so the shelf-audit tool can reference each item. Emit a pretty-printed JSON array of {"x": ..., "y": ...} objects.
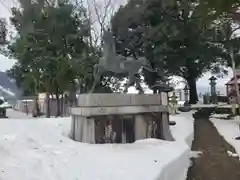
[
  {"x": 36, "y": 109},
  {"x": 58, "y": 113},
  {"x": 48, "y": 105},
  {"x": 62, "y": 105},
  {"x": 72, "y": 95},
  {"x": 193, "y": 90},
  {"x": 80, "y": 85}
]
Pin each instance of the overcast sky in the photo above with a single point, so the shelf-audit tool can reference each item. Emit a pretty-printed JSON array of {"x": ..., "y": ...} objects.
[{"x": 6, "y": 63}]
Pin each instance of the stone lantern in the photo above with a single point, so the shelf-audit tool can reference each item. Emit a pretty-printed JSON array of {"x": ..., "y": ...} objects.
[
  {"x": 213, "y": 89},
  {"x": 173, "y": 104},
  {"x": 186, "y": 93},
  {"x": 162, "y": 89},
  {"x": 160, "y": 86}
]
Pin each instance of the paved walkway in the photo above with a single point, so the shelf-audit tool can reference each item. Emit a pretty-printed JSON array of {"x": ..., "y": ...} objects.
[{"x": 215, "y": 163}]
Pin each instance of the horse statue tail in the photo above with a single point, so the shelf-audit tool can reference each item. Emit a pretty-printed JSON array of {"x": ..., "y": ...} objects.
[{"x": 146, "y": 64}]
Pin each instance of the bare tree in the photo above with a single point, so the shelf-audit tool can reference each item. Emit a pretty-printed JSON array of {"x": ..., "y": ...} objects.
[
  {"x": 98, "y": 14},
  {"x": 103, "y": 13}
]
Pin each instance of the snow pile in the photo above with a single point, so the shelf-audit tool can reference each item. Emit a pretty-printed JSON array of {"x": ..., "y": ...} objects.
[
  {"x": 229, "y": 129},
  {"x": 184, "y": 129},
  {"x": 220, "y": 116},
  {"x": 40, "y": 149},
  {"x": 183, "y": 132},
  {"x": 197, "y": 106}
]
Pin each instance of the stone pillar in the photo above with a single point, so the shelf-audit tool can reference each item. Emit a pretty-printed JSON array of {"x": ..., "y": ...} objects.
[
  {"x": 164, "y": 98},
  {"x": 124, "y": 138},
  {"x": 72, "y": 131},
  {"x": 167, "y": 135},
  {"x": 150, "y": 126},
  {"x": 83, "y": 129},
  {"x": 180, "y": 95},
  {"x": 140, "y": 127}
]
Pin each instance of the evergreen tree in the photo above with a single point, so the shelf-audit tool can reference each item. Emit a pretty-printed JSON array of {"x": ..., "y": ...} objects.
[{"x": 173, "y": 35}]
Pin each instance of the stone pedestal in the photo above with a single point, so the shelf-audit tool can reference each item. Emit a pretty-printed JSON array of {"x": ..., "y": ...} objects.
[
  {"x": 140, "y": 127},
  {"x": 119, "y": 118}
]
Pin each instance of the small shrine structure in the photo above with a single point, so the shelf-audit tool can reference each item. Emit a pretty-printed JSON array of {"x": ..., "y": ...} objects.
[{"x": 231, "y": 89}]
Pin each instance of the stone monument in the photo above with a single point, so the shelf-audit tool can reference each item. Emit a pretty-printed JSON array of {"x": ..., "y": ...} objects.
[{"x": 115, "y": 117}]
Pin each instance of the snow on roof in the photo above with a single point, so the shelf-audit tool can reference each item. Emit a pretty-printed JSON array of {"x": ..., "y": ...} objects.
[
  {"x": 9, "y": 92},
  {"x": 5, "y": 105},
  {"x": 43, "y": 96},
  {"x": 27, "y": 100}
]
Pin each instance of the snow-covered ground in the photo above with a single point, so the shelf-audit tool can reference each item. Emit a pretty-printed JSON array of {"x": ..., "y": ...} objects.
[
  {"x": 229, "y": 129},
  {"x": 39, "y": 149}
]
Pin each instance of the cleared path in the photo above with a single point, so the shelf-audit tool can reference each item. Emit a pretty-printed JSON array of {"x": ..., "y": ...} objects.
[{"x": 215, "y": 163}]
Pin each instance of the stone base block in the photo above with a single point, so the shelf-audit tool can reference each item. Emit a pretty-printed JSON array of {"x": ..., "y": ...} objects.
[{"x": 119, "y": 118}]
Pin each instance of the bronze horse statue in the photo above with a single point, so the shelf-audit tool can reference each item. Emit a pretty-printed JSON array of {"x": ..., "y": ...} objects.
[{"x": 118, "y": 64}]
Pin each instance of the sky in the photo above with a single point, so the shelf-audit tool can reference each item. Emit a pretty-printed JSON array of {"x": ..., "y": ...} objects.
[{"x": 6, "y": 63}]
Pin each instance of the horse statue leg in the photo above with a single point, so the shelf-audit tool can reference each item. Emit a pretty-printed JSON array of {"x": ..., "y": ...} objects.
[
  {"x": 126, "y": 88},
  {"x": 130, "y": 82},
  {"x": 96, "y": 74},
  {"x": 138, "y": 85}
]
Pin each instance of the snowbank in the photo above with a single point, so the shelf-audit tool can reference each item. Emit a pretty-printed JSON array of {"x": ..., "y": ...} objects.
[
  {"x": 183, "y": 132},
  {"x": 40, "y": 149},
  {"x": 184, "y": 129},
  {"x": 229, "y": 129}
]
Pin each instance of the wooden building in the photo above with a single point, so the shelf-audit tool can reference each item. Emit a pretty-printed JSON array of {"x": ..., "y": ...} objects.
[{"x": 231, "y": 88}]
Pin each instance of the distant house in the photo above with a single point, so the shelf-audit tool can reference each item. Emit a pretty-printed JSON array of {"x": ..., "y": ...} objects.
[
  {"x": 231, "y": 88},
  {"x": 42, "y": 97}
]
